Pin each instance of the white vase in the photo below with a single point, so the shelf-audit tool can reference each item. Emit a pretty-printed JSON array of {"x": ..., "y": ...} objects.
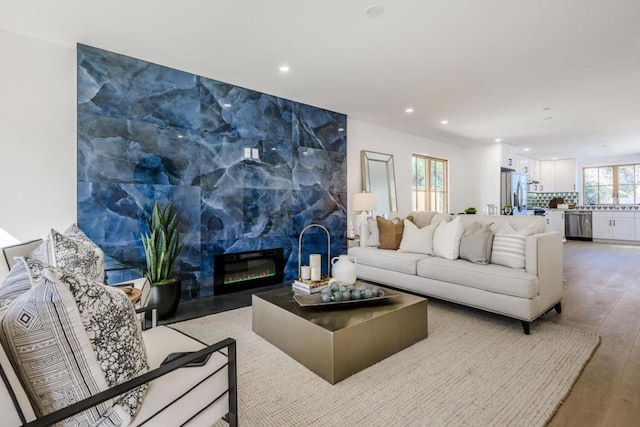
[{"x": 344, "y": 269}]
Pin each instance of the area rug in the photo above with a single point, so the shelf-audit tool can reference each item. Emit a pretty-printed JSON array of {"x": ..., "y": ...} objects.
[{"x": 474, "y": 369}]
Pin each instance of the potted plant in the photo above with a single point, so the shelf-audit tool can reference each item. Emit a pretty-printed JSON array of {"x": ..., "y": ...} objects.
[
  {"x": 507, "y": 209},
  {"x": 161, "y": 248},
  {"x": 470, "y": 211}
]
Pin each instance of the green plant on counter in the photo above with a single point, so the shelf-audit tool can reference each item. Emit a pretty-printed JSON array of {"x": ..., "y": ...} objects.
[
  {"x": 161, "y": 245},
  {"x": 470, "y": 210}
]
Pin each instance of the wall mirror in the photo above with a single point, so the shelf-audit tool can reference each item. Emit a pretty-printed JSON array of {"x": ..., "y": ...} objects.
[{"x": 379, "y": 178}]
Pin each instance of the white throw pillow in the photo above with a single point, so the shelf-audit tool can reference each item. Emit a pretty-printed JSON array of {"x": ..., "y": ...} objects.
[
  {"x": 417, "y": 240},
  {"x": 374, "y": 234},
  {"x": 446, "y": 239},
  {"x": 509, "y": 246}
]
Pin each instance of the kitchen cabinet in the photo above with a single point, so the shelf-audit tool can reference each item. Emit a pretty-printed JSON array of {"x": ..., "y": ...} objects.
[
  {"x": 555, "y": 222},
  {"x": 508, "y": 159},
  {"x": 558, "y": 175},
  {"x": 637, "y": 214},
  {"x": 614, "y": 225}
]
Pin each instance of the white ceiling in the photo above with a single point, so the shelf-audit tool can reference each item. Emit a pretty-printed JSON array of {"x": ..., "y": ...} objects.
[{"x": 492, "y": 68}]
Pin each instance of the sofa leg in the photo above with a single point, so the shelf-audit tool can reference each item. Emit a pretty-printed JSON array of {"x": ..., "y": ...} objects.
[
  {"x": 526, "y": 326},
  {"x": 558, "y": 307}
]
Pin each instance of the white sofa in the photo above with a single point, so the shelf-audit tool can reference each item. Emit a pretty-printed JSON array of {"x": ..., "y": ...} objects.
[
  {"x": 523, "y": 294},
  {"x": 176, "y": 395}
]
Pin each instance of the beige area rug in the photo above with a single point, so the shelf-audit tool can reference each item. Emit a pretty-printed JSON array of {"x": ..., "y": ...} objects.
[{"x": 474, "y": 369}]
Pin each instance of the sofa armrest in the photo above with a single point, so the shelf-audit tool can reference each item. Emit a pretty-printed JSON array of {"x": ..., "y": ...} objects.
[
  {"x": 544, "y": 259},
  {"x": 103, "y": 396}
]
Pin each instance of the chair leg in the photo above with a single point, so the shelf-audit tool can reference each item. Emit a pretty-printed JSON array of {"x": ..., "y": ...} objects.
[
  {"x": 526, "y": 326},
  {"x": 558, "y": 307}
]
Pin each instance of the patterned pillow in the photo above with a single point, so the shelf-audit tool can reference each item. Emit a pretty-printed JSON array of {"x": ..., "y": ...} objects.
[
  {"x": 73, "y": 252},
  {"x": 15, "y": 284},
  {"x": 70, "y": 315}
]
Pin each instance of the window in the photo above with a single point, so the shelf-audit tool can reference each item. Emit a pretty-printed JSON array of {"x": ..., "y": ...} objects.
[
  {"x": 608, "y": 185},
  {"x": 429, "y": 184}
]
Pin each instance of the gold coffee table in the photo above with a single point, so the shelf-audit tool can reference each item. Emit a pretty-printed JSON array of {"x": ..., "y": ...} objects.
[{"x": 336, "y": 342}]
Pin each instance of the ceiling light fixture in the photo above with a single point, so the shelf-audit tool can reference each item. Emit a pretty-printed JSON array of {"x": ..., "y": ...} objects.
[
  {"x": 549, "y": 118},
  {"x": 409, "y": 110},
  {"x": 546, "y": 109},
  {"x": 284, "y": 68},
  {"x": 444, "y": 122},
  {"x": 498, "y": 140},
  {"x": 527, "y": 149},
  {"x": 374, "y": 11}
]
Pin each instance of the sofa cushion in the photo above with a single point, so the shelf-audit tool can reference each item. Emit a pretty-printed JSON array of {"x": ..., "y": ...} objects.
[
  {"x": 72, "y": 253},
  {"x": 493, "y": 278},
  {"x": 402, "y": 262},
  {"x": 446, "y": 239},
  {"x": 390, "y": 232},
  {"x": 476, "y": 243},
  {"x": 417, "y": 240}
]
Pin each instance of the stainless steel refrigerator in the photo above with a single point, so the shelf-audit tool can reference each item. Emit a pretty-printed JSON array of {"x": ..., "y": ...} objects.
[{"x": 513, "y": 191}]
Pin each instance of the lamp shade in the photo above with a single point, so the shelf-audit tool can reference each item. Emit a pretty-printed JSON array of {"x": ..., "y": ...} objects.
[{"x": 364, "y": 202}]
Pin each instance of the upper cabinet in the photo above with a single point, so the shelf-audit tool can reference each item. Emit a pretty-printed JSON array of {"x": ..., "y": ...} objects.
[
  {"x": 509, "y": 153},
  {"x": 558, "y": 175}
]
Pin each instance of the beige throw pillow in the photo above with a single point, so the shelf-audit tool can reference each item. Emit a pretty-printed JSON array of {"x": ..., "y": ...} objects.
[{"x": 476, "y": 243}]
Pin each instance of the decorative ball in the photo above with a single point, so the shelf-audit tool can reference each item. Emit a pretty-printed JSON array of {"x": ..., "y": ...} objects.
[
  {"x": 337, "y": 296},
  {"x": 375, "y": 291},
  {"x": 326, "y": 291},
  {"x": 367, "y": 293},
  {"x": 326, "y": 298},
  {"x": 334, "y": 286},
  {"x": 346, "y": 296},
  {"x": 355, "y": 294}
]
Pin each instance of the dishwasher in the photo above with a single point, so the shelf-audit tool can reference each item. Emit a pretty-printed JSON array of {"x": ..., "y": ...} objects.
[{"x": 577, "y": 225}]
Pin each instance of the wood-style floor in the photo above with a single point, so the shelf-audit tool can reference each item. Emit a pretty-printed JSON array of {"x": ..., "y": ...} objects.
[{"x": 602, "y": 294}]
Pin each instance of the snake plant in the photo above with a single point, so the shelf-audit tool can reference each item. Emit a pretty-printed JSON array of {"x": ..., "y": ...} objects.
[{"x": 161, "y": 245}]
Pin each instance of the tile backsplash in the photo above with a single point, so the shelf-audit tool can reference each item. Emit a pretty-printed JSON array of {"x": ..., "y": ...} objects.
[{"x": 542, "y": 199}]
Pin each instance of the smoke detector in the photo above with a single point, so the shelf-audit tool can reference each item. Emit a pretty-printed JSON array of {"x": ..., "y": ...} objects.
[{"x": 374, "y": 11}]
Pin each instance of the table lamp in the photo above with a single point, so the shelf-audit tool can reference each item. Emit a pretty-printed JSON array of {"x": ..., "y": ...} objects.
[{"x": 365, "y": 203}]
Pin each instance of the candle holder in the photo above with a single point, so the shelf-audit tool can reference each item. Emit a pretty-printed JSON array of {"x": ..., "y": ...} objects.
[{"x": 328, "y": 251}]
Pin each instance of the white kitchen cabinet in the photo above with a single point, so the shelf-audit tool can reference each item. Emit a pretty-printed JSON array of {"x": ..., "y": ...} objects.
[
  {"x": 546, "y": 176},
  {"x": 614, "y": 225},
  {"x": 637, "y": 214},
  {"x": 508, "y": 159},
  {"x": 558, "y": 175},
  {"x": 564, "y": 175},
  {"x": 555, "y": 222}
]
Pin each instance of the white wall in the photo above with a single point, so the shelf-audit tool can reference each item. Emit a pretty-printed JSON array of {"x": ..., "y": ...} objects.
[
  {"x": 365, "y": 136},
  {"x": 37, "y": 136},
  {"x": 482, "y": 167}
]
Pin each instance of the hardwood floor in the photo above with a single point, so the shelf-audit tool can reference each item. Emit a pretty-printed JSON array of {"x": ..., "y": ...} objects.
[{"x": 602, "y": 294}]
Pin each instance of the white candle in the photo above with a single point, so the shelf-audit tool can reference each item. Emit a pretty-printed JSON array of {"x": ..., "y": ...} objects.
[
  {"x": 315, "y": 274},
  {"x": 314, "y": 260},
  {"x": 305, "y": 272}
]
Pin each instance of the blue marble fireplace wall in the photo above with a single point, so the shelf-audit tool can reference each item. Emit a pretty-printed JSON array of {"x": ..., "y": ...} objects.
[{"x": 149, "y": 133}]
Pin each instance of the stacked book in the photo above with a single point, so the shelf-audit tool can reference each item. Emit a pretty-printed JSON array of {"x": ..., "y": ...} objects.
[{"x": 310, "y": 287}]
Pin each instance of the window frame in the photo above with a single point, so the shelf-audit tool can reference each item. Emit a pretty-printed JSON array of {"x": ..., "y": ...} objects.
[
  {"x": 615, "y": 183},
  {"x": 430, "y": 195}
]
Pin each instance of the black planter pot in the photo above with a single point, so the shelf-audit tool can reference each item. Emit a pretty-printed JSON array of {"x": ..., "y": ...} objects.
[{"x": 167, "y": 298}]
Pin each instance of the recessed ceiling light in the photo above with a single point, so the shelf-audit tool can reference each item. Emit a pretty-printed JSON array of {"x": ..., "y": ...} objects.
[
  {"x": 549, "y": 118},
  {"x": 444, "y": 122},
  {"x": 226, "y": 105},
  {"x": 554, "y": 158},
  {"x": 374, "y": 11},
  {"x": 526, "y": 149},
  {"x": 409, "y": 110},
  {"x": 284, "y": 68},
  {"x": 604, "y": 145},
  {"x": 546, "y": 109},
  {"x": 498, "y": 140}
]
